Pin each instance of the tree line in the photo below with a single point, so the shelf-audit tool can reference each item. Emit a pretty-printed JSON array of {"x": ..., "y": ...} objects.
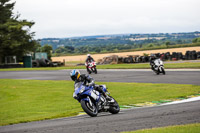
[{"x": 101, "y": 48}]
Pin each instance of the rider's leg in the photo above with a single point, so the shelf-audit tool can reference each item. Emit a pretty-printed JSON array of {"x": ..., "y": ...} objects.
[
  {"x": 98, "y": 88},
  {"x": 87, "y": 68}
]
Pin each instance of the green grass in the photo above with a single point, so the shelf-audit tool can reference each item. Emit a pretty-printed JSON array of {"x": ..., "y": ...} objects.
[
  {"x": 189, "y": 128},
  {"x": 195, "y": 65},
  {"x": 147, "y": 66},
  {"x": 31, "y": 100},
  {"x": 183, "y": 65}
]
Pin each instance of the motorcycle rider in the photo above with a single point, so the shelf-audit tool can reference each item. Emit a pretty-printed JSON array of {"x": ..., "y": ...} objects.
[
  {"x": 87, "y": 80},
  {"x": 152, "y": 59},
  {"x": 89, "y": 59}
]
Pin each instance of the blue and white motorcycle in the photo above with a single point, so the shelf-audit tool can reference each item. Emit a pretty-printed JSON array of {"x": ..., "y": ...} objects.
[{"x": 94, "y": 102}]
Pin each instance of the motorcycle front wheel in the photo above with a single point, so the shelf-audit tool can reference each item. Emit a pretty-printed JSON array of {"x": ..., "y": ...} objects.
[
  {"x": 91, "y": 110},
  {"x": 163, "y": 71},
  {"x": 114, "y": 107},
  {"x": 95, "y": 70},
  {"x": 89, "y": 72}
]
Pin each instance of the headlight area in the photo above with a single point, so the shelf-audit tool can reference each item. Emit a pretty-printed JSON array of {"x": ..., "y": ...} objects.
[{"x": 82, "y": 89}]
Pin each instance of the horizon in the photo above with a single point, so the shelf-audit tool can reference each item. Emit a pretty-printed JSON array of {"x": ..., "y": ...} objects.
[
  {"x": 72, "y": 18},
  {"x": 117, "y": 34}
]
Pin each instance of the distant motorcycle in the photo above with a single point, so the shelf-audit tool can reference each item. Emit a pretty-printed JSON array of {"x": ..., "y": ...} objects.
[
  {"x": 94, "y": 102},
  {"x": 158, "y": 67},
  {"x": 91, "y": 67}
]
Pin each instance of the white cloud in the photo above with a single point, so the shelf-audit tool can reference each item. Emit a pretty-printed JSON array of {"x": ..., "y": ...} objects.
[{"x": 65, "y": 18}]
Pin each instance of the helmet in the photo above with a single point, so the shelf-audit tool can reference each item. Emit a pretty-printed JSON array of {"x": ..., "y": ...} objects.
[
  {"x": 88, "y": 55},
  {"x": 153, "y": 56},
  {"x": 75, "y": 74}
]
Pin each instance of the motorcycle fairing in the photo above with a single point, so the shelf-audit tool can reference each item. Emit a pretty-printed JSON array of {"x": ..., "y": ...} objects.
[{"x": 82, "y": 90}]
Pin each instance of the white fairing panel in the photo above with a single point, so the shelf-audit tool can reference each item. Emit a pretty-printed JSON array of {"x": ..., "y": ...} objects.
[
  {"x": 93, "y": 95},
  {"x": 158, "y": 62}
]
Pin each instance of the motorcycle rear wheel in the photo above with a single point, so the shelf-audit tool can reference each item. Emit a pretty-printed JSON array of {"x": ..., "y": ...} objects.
[
  {"x": 157, "y": 72},
  {"x": 90, "y": 110}
]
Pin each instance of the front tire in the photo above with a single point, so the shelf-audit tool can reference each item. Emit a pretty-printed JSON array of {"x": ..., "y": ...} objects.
[
  {"x": 89, "y": 72},
  {"x": 90, "y": 110},
  {"x": 163, "y": 71},
  {"x": 95, "y": 70},
  {"x": 114, "y": 107}
]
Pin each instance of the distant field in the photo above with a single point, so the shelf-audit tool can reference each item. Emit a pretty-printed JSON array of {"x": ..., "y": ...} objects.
[{"x": 81, "y": 58}]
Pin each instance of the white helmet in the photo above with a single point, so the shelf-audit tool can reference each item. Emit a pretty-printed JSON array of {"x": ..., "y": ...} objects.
[{"x": 88, "y": 55}]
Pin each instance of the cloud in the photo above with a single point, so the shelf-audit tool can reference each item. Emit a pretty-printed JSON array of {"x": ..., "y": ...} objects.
[{"x": 65, "y": 18}]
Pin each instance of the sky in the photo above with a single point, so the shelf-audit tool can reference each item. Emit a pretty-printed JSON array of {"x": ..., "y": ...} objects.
[{"x": 72, "y": 18}]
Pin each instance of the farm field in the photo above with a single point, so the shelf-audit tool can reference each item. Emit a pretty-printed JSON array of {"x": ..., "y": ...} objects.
[{"x": 81, "y": 58}]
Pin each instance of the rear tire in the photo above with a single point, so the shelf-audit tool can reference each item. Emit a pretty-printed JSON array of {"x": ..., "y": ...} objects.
[
  {"x": 157, "y": 72},
  {"x": 90, "y": 110}
]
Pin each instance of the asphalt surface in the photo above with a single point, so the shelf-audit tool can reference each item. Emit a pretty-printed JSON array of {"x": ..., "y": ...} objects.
[
  {"x": 176, "y": 76},
  {"x": 126, "y": 120}
]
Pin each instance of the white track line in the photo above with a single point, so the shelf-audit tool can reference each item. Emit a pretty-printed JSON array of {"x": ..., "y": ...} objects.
[
  {"x": 148, "y": 70},
  {"x": 183, "y": 101},
  {"x": 195, "y": 70}
]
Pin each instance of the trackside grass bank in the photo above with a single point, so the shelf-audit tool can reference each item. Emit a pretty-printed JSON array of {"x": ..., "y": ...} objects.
[
  {"x": 189, "y": 128},
  {"x": 114, "y": 66},
  {"x": 31, "y": 100}
]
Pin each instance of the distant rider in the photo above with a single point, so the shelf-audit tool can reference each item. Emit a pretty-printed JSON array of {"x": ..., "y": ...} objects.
[
  {"x": 88, "y": 60},
  {"x": 87, "y": 81},
  {"x": 152, "y": 59}
]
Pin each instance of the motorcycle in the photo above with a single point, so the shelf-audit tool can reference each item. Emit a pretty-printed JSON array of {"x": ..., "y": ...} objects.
[
  {"x": 92, "y": 101},
  {"x": 158, "y": 67},
  {"x": 91, "y": 67}
]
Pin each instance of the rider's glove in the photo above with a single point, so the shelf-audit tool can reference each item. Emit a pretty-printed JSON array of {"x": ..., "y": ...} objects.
[{"x": 91, "y": 84}]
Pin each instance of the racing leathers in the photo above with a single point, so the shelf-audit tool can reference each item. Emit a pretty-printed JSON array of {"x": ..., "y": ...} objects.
[
  {"x": 89, "y": 59},
  {"x": 152, "y": 59}
]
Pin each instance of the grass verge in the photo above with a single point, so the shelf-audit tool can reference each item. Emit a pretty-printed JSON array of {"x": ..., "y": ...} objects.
[
  {"x": 188, "y": 128},
  {"x": 195, "y": 65},
  {"x": 31, "y": 100}
]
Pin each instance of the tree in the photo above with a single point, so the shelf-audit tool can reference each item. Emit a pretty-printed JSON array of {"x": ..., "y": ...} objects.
[
  {"x": 69, "y": 49},
  {"x": 48, "y": 49},
  {"x": 15, "y": 36},
  {"x": 167, "y": 43},
  {"x": 150, "y": 45},
  {"x": 196, "y": 40}
]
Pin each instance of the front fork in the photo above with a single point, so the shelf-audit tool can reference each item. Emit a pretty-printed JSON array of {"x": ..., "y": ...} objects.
[{"x": 90, "y": 102}]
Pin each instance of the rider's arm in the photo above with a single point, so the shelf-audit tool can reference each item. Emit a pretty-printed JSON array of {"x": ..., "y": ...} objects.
[
  {"x": 86, "y": 60},
  {"x": 90, "y": 80},
  {"x": 92, "y": 59}
]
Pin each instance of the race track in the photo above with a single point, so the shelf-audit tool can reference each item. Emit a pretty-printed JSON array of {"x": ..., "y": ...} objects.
[
  {"x": 176, "y": 76},
  {"x": 126, "y": 120}
]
